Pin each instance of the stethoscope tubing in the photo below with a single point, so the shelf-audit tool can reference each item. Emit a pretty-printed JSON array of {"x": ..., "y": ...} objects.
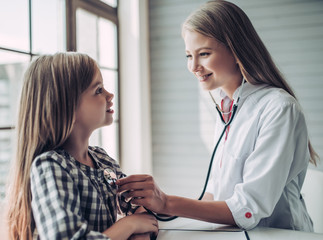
[{"x": 234, "y": 110}]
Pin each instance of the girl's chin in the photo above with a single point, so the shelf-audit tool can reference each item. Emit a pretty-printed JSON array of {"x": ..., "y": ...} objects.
[{"x": 109, "y": 122}]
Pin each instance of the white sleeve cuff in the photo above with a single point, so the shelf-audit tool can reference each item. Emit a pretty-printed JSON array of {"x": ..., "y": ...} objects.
[{"x": 243, "y": 216}]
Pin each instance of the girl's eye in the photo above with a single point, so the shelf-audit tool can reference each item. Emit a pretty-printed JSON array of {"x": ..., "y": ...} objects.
[
  {"x": 188, "y": 56},
  {"x": 99, "y": 90},
  {"x": 204, "y": 54}
]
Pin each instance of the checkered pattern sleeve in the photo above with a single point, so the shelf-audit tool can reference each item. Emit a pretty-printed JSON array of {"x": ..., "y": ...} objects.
[{"x": 56, "y": 201}]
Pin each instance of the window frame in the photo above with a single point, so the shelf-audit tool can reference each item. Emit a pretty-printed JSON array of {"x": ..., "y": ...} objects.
[
  {"x": 96, "y": 7},
  {"x": 102, "y": 10}
]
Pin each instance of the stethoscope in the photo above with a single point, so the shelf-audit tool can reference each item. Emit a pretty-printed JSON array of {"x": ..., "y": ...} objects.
[
  {"x": 111, "y": 177},
  {"x": 226, "y": 125}
]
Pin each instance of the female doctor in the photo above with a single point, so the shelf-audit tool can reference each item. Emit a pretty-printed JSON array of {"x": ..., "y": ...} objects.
[{"x": 261, "y": 160}]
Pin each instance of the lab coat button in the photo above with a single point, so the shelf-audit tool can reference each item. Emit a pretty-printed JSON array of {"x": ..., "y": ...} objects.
[{"x": 248, "y": 215}]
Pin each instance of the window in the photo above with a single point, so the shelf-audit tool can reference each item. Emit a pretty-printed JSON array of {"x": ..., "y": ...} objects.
[
  {"x": 96, "y": 35},
  {"x": 33, "y": 27}
]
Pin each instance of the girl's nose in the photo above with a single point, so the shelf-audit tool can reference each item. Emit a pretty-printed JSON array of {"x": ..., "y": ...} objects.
[{"x": 109, "y": 96}]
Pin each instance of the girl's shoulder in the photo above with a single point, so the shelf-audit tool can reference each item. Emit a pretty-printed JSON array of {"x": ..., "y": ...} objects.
[{"x": 53, "y": 158}]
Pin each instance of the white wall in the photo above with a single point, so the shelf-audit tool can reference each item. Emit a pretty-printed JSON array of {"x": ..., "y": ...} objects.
[
  {"x": 180, "y": 156},
  {"x": 135, "y": 130}
]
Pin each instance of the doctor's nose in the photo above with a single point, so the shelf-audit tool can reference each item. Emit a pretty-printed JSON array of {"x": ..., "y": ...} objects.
[{"x": 194, "y": 66}]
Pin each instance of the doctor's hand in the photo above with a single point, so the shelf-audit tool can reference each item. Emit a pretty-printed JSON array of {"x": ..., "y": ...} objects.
[{"x": 143, "y": 191}]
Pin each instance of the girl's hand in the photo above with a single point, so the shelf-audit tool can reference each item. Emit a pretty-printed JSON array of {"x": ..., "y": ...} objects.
[
  {"x": 142, "y": 223},
  {"x": 138, "y": 223},
  {"x": 143, "y": 236},
  {"x": 143, "y": 191}
]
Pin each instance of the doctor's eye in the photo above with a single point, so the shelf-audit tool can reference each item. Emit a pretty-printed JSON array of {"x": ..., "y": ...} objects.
[{"x": 204, "y": 54}]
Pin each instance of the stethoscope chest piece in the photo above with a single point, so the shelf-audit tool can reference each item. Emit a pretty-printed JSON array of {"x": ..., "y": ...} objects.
[{"x": 110, "y": 176}]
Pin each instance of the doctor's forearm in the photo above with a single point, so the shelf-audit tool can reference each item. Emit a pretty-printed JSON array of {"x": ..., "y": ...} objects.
[{"x": 210, "y": 211}]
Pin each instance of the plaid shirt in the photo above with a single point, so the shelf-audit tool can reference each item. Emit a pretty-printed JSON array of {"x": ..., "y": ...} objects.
[{"x": 71, "y": 200}]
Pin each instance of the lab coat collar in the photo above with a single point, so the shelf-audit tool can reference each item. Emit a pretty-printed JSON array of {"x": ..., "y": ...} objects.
[{"x": 247, "y": 90}]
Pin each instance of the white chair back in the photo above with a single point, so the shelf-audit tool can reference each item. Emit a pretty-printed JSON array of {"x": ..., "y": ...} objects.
[{"x": 312, "y": 192}]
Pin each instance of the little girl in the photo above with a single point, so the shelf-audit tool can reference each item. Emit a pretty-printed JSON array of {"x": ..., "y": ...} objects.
[{"x": 61, "y": 188}]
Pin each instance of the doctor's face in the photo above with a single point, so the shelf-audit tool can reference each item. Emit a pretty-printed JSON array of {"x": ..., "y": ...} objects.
[{"x": 211, "y": 62}]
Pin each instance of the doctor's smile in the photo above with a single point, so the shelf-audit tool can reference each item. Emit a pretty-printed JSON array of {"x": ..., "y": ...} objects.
[{"x": 203, "y": 78}]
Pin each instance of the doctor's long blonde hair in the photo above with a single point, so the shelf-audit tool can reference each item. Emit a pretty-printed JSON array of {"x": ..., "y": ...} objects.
[
  {"x": 51, "y": 90},
  {"x": 228, "y": 24}
]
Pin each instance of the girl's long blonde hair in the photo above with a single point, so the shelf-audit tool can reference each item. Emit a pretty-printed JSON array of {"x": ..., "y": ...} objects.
[
  {"x": 228, "y": 24},
  {"x": 51, "y": 90}
]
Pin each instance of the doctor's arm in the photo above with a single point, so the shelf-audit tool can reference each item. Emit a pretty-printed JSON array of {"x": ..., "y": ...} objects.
[{"x": 144, "y": 191}]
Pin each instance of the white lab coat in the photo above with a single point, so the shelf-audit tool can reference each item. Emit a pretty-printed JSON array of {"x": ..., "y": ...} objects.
[{"x": 260, "y": 169}]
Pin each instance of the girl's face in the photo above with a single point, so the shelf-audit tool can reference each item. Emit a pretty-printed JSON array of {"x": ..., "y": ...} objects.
[
  {"x": 94, "y": 109},
  {"x": 211, "y": 62}
]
